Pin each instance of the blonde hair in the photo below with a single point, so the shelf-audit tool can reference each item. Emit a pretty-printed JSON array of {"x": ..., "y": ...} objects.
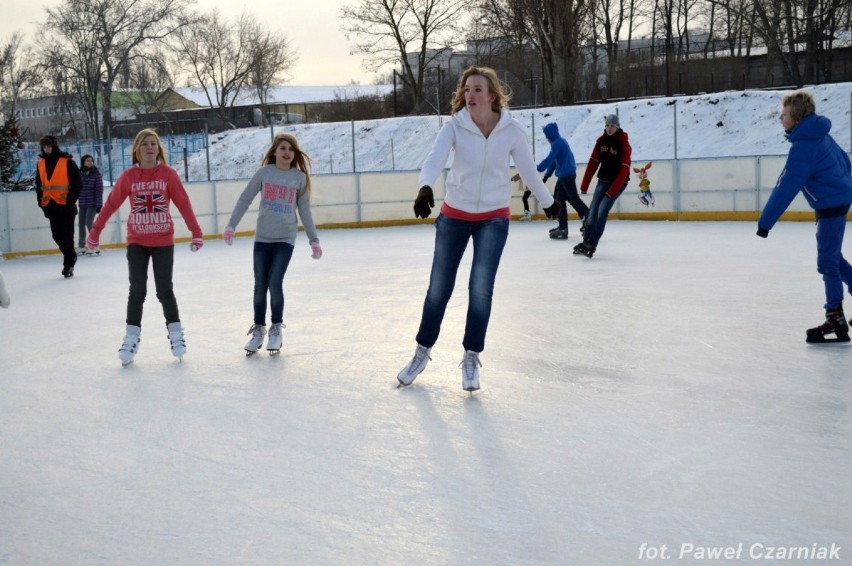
[
  {"x": 800, "y": 103},
  {"x": 301, "y": 160},
  {"x": 495, "y": 87},
  {"x": 137, "y": 143}
]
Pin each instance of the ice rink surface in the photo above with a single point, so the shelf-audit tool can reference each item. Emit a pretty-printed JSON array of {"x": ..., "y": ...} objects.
[{"x": 659, "y": 394}]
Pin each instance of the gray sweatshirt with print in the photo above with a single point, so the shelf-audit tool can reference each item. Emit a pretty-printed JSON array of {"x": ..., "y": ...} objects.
[{"x": 281, "y": 193}]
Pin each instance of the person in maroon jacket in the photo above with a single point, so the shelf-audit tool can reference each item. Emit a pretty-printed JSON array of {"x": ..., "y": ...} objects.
[{"x": 611, "y": 159}]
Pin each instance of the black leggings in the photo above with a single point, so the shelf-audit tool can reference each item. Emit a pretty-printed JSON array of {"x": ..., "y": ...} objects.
[{"x": 137, "y": 267}]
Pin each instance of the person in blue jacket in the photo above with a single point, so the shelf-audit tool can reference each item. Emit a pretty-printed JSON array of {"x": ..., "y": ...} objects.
[
  {"x": 561, "y": 161},
  {"x": 821, "y": 170}
]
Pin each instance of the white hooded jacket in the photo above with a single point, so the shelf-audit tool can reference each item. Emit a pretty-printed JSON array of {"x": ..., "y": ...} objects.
[{"x": 478, "y": 180}]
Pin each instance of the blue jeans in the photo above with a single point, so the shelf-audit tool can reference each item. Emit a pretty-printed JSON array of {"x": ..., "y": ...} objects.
[
  {"x": 598, "y": 212},
  {"x": 270, "y": 265},
  {"x": 451, "y": 237},
  {"x": 831, "y": 264}
]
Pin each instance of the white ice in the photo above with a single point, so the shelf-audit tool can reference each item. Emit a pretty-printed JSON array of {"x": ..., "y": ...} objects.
[{"x": 660, "y": 393}]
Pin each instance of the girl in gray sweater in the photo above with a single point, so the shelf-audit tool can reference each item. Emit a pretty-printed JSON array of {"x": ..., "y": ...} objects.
[{"x": 284, "y": 184}]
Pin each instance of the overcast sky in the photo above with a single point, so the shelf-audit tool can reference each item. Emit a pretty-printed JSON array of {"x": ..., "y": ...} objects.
[{"x": 313, "y": 27}]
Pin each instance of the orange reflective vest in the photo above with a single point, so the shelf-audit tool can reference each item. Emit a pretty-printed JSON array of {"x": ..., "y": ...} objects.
[{"x": 56, "y": 188}]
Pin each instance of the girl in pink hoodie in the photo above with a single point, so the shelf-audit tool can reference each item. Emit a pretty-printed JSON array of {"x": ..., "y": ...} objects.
[{"x": 151, "y": 185}]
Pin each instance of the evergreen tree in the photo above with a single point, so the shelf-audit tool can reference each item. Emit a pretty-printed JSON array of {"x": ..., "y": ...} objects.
[{"x": 10, "y": 160}]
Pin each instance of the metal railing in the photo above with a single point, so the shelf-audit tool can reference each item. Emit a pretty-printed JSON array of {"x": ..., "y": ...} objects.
[{"x": 114, "y": 155}]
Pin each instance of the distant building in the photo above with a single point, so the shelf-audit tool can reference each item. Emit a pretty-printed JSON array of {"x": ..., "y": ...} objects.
[
  {"x": 189, "y": 108},
  {"x": 185, "y": 109},
  {"x": 48, "y": 115}
]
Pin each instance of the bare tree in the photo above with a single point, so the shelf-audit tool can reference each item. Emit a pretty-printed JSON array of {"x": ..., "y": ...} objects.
[
  {"x": 555, "y": 29},
  {"x": 115, "y": 31},
  {"x": 218, "y": 54},
  {"x": 411, "y": 33},
  {"x": 19, "y": 77},
  {"x": 74, "y": 72},
  {"x": 606, "y": 19},
  {"x": 271, "y": 59},
  {"x": 148, "y": 77},
  {"x": 798, "y": 36},
  {"x": 63, "y": 81}
]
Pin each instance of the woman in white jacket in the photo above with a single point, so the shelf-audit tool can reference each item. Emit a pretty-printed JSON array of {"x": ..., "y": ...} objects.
[{"x": 483, "y": 136}]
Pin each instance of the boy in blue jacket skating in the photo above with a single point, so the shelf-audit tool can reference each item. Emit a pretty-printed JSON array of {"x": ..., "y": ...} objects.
[
  {"x": 561, "y": 161},
  {"x": 819, "y": 168}
]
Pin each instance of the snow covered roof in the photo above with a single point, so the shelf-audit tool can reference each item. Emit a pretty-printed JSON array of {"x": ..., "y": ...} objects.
[{"x": 291, "y": 94}]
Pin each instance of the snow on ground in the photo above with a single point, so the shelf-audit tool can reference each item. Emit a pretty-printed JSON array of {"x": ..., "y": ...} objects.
[
  {"x": 710, "y": 125},
  {"x": 658, "y": 394}
]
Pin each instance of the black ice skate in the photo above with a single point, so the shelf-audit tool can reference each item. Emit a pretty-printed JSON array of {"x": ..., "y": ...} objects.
[
  {"x": 584, "y": 248},
  {"x": 559, "y": 234},
  {"x": 835, "y": 328}
]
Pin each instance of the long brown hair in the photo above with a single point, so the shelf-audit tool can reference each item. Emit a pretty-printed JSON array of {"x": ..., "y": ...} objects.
[
  {"x": 495, "y": 87},
  {"x": 137, "y": 143},
  {"x": 301, "y": 160}
]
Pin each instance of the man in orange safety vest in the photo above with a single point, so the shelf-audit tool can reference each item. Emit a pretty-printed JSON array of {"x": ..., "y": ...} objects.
[{"x": 58, "y": 184}]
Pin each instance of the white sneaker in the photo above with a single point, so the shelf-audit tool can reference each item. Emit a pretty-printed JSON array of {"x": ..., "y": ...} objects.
[
  {"x": 470, "y": 370},
  {"x": 417, "y": 364},
  {"x": 130, "y": 345},
  {"x": 257, "y": 332},
  {"x": 176, "y": 339},
  {"x": 273, "y": 345}
]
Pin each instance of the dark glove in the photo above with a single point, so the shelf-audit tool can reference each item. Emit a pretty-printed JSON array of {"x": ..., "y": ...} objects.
[
  {"x": 552, "y": 210},
  {"x": 424, "y": 202},
  {"x": 762, "y": 232},
  {"x": 545, "y": 178},
  {"x": 97, "y": 210}
]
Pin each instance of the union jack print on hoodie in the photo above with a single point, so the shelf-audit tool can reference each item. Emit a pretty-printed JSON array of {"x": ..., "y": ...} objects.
[{"x": 150, "y": 191}]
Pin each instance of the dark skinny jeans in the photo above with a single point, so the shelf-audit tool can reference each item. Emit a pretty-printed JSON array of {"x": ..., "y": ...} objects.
[{"x": 162, "y": 258}]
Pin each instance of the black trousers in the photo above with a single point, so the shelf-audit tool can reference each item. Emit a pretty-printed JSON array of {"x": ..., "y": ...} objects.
[
  {"x": 566, "y": 192},
  {"x": 62, "y": 230}
]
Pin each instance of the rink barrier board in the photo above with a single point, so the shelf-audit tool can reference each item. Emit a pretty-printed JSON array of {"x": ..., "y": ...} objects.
[{"x": 712, "y": 189}]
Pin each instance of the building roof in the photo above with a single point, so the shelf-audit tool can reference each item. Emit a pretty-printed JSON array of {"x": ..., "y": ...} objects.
[{"x": 290, "y": 94}]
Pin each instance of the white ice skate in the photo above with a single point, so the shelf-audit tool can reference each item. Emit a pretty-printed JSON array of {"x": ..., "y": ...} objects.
[
  {"x": 417, "y": 364},
  {"x": 470, "y": 370},
  {"x": 273, "y": 345},
  {"x": 177, "y": 340},
  {"x": 130, "y": 345},
  {"x": 257, "y": 332}
]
